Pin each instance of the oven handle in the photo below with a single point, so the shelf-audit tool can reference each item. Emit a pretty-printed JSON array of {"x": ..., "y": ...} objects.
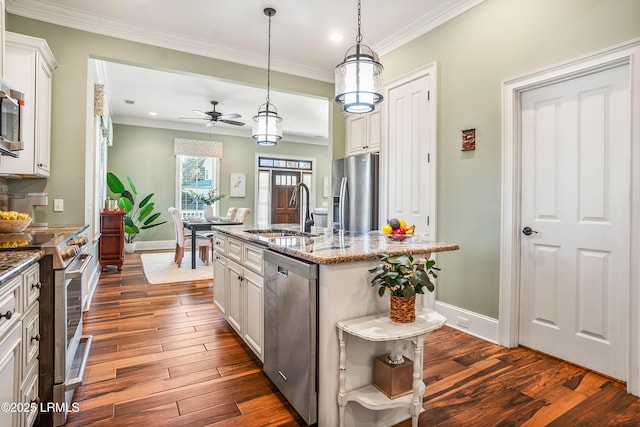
[
  {"x": 74, "y": 274},
  {"x": 76, "y": 382}
]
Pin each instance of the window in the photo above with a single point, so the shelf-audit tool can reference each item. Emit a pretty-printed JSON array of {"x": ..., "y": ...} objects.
[{"x": 196, "y": 175}]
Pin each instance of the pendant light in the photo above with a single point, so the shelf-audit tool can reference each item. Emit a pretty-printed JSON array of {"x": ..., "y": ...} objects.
[
  {"x": 267, "y": 125},
  {"x": 359, "y": 77}
]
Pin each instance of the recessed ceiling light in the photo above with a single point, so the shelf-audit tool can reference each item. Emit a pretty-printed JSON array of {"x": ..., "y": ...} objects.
[
  {"x": 153, "y": 113},
  {"x": 129, "y": 101},
  {"x": 336, "y": 37}
]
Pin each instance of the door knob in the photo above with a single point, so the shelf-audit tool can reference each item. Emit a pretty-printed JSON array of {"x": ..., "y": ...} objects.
[{"x": 527, "y": 231}]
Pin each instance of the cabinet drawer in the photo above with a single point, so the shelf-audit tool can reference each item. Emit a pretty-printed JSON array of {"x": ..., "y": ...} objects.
[
  {"x": 10, "y": 305},
  {"x": 220, "y": 243},
  {"x": 31, "y": 337},
  {"x": 253, "y": 258},
  {"x": 30, "y": 395},
  {"x": 31, "y": 285},
  {"x": 234, "y": 250}
]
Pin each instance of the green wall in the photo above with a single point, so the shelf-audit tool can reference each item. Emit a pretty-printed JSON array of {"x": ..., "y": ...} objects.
[
  {"x": 495, "y": 41},
  {"x": 475, "y": 52},
  {"x": 71, "y": 174},
  {"x": 146, "y": 155}
]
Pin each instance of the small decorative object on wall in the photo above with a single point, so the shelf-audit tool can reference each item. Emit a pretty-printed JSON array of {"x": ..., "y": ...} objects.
[
  {"x": 237, "y": 185},
  {"x": 468, "y": 140}
]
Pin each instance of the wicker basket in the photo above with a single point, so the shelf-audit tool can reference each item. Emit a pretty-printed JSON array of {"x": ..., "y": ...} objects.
[{"x": 403, "y": 310}]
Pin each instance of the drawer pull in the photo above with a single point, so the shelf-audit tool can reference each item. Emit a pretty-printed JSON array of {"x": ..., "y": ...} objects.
[
  {"x": 36, "y": 337},
  {"x": 36, "y": 400},
  {"x": 8, "y": 315},
  {"x": 37, "y": 285}
]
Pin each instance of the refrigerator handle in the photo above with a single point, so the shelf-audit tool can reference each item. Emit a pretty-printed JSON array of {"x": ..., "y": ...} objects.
[{"x": 343, "y": 205}]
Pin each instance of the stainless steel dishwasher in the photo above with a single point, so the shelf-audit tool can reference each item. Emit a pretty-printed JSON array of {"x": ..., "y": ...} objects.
[{"x": 290, "y": 330}]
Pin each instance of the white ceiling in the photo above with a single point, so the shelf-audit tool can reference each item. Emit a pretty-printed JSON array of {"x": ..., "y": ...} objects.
[{"x": 237, "y": 31}]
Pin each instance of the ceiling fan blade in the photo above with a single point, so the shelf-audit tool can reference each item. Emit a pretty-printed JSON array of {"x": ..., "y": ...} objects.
[
  {"x": 232, "y": 122},
  {"x": 202, "y": 112},
  {"x": 194, "y": 118},
  {"x": 229, "y": 116}
]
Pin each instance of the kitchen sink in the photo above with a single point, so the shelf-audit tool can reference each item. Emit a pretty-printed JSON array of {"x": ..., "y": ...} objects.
[{"x": 272, "y": 232}]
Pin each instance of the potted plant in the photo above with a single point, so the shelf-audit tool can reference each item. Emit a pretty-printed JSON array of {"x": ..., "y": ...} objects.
[
  {"x": 137, "y": 217},
  {"x": 404, "y": 277},
  {"x": 209, "y": 198}
]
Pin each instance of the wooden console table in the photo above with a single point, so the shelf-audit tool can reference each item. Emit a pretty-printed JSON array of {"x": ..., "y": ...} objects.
[{"x": 379, "y": 327}]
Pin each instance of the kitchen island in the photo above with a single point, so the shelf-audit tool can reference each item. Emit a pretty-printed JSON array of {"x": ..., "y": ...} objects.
[{"x": 344, "y": 292}]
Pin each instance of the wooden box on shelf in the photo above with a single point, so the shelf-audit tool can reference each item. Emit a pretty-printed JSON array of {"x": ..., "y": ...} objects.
[
  {"x": 112, "y": 238},
  {"x": 394, "y": 380}
]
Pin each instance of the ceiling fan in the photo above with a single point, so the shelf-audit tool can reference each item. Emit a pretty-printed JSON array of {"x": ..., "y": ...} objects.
[{"x": 214, "y": 116}]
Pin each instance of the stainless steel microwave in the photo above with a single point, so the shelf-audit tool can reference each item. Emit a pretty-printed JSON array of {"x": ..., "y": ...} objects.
[{"x": 11, "y": 102}]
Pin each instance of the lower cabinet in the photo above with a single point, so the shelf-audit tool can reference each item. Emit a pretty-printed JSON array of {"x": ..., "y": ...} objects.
[
  {"x": 238, "y": 283},
  {"x": 19, "y": 347}
]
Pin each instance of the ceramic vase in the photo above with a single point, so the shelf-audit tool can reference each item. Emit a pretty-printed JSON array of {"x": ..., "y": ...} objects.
[{"x": 208, "y": 213}]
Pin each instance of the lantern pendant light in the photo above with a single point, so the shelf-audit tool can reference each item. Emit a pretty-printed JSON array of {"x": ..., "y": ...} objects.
[
  {"x": 359, "y": 77},
  {"x": 267, "y": 125}
]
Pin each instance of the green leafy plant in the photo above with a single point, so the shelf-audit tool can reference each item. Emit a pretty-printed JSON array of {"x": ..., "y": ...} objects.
[
  {"x": 209, "y": 198},
  {"x": 137, "y": 217},
  {"x": 403, "y": 276}
]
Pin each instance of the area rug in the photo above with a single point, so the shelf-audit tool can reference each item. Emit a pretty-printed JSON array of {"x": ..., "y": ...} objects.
[{"x": 160, "y": 268}]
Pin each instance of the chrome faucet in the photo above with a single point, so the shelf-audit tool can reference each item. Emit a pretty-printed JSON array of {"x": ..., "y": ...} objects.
[{"x": 308, "y": 220}]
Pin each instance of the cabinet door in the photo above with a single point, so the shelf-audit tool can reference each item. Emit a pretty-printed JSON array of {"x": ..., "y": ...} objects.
[
  {"x": 220, "y": 282},
  {"x": 234, "y": 301},
  {"x": 253, "y": 329},
  {"x": 20, "y": 67},
  {"x": 374, "y": 131},
  {"x": 356, "y": 133},
  {"x": 10, "y": 374},
  {"x": 43, "y": 119}
]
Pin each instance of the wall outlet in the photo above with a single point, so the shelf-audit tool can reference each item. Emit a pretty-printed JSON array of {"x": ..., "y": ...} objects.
[
  {"x": 58, "y": 205},
  {"x": 463, "y": 322}
]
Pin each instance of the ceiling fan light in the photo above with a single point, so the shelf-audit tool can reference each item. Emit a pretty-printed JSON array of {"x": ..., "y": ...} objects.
[
  {"x": 267, "y": 125},
  {"x": 359, "y": 80}
]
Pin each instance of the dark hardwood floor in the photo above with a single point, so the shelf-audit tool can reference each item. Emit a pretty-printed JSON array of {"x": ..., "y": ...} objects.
[{"x": 163, "y": 355}]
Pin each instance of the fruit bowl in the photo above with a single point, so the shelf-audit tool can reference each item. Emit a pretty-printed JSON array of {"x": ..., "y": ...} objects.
[
  {"x": 14, "y": 225},
  {"x": 395, "y": 238}
]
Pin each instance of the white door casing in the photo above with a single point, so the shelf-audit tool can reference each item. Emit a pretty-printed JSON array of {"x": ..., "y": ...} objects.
[
  {"x": 408, "y": 166},
  {"x": 512, "y": 180},
  {"x": 575, "y": 196}
]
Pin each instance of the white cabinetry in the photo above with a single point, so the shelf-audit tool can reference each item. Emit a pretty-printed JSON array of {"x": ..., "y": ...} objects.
[
  {"x": 238, "y": 287},
  {"x": 28, "y": 67},
  {"x": 19, "y": 347},
  {"x": 364, "y": 132}
]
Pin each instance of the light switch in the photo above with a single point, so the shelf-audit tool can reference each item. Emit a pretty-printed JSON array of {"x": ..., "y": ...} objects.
[{"x": 58, "y": 205}]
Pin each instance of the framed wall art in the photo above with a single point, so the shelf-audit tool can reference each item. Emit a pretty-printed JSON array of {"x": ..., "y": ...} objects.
[{"x": 237, "y": 185}]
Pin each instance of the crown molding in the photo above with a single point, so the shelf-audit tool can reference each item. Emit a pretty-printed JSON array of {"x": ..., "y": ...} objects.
[
  {"x": 68, "y": 17},
  {"x": 442, "y": 13},
  {"x": 244, "y": 132}
]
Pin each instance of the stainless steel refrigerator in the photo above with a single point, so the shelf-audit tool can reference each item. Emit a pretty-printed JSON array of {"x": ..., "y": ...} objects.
[{"x": 355, "y": 192}]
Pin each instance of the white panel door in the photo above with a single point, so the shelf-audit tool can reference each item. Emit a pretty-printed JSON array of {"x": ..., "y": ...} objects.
[
  {"x": 407, "y": 152},
  {"x": 576, "y": 178}
]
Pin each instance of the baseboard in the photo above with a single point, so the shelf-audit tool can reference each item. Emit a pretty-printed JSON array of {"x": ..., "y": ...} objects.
[
  {"x": 155, "y": 245},
  {"x": 467, "y": 321}
]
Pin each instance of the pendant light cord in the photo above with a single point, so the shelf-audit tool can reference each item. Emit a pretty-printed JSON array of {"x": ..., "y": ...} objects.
[
  {"x": 269, "y": 61},
  {"x": 359, "y": 37}
]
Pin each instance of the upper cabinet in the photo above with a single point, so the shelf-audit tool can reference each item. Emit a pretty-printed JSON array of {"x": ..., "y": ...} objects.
[
  {"x": 364, "y": 132},
  {"x": 29, "y": 66}
]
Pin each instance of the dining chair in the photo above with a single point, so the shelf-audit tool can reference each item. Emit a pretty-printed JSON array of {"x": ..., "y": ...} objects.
[
  {"x": 242, "y": 214},
  {"x": 231, "y": 213},
  {"x": 182, "y": 241}
]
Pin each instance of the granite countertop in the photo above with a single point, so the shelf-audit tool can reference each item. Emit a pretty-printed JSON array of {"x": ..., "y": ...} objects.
[
  {"x": 328, "y": 247},
  {"x": 13, "y": 261}
]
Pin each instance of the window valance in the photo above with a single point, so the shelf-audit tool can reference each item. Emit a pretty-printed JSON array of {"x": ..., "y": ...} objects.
[{"x": 197, "y": 148}]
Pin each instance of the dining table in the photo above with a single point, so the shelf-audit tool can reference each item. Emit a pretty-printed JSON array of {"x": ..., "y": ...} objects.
[{"x": 202, "y": 225}]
